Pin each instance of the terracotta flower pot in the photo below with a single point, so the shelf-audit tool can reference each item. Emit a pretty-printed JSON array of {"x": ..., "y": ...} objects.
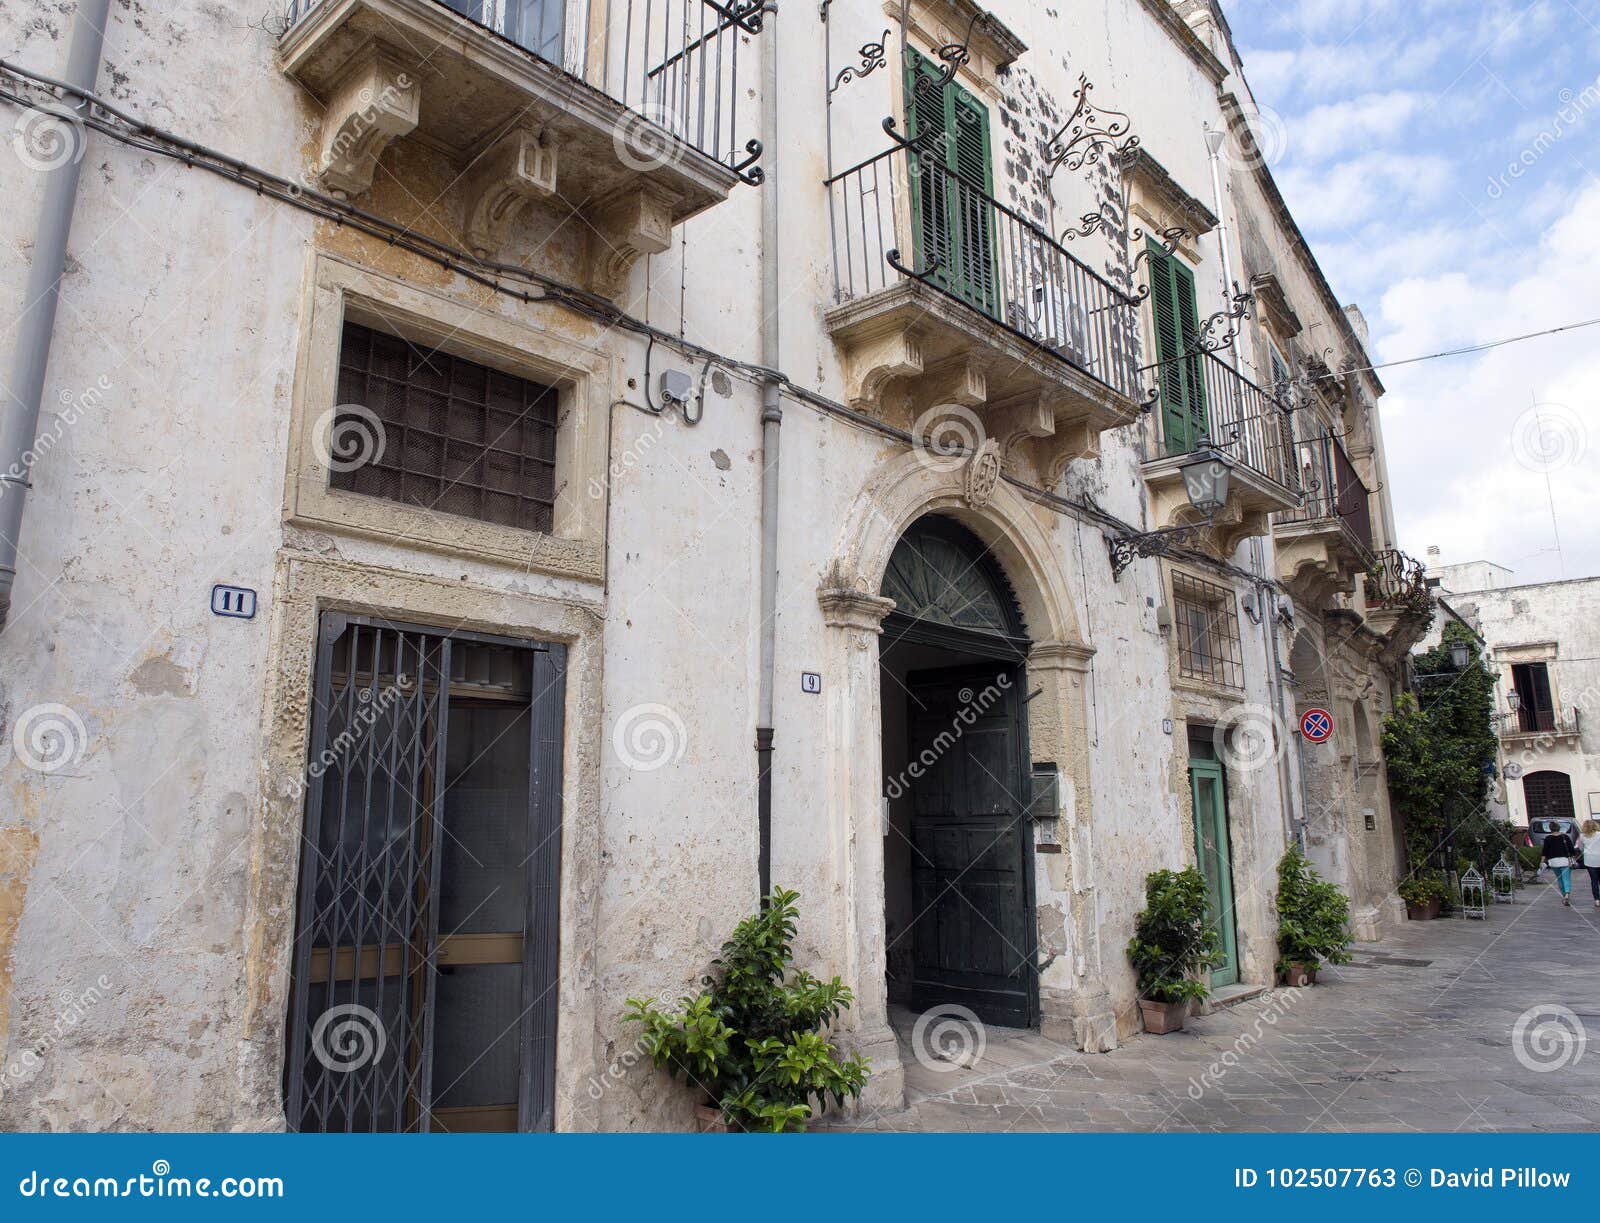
[
  {"x": 1163, "y": 1017},
  {"x": 1298, "y": 976},
  {"x": 708, "y": 1119},
  {"x": 1425, "y": 912}
]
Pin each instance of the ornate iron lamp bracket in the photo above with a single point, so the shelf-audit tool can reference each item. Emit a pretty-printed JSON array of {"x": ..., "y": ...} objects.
[{"x": 1123, "y": 548}]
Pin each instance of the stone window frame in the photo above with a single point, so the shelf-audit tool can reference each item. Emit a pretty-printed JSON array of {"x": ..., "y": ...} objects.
[{"x": 584, "y": 375}]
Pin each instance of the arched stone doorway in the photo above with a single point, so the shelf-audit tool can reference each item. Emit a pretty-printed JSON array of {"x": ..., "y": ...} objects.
[
  {"x": 1073, "y": 1002},
  {"x": 1548, "y": 795},
  {"x": 958, "y": 848}
]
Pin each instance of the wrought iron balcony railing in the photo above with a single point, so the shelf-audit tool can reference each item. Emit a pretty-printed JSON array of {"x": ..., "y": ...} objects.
[
  {"x": 1242, "y": 420},
  {"x": 1397, "y": 582},
  {"x": 1529, "y": 723},
  {"x": 903, "y": 215},
  {"x": 1333, "y": 490},
  {"x": 674, "y": 63}
]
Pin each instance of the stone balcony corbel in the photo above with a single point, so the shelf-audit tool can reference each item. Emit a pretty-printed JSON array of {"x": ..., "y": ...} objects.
[
  {"x": 910, "y": 348},
  {"x": 518, "y": 169},
  {"x": 375, "y": 99},
  {"x": 637, "y": 222}
]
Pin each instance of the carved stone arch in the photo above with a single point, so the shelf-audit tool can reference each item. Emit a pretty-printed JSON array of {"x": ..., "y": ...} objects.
[
  {"x": 1074, "y": 1001},
  {"x": 910, "y": 486}
]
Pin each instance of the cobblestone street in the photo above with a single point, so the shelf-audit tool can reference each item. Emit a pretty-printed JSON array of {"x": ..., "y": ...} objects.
[{"x": 1417, "y": 1034}]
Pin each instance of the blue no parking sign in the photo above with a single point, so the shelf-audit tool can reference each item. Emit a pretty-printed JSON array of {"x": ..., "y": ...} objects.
[{"x": 1316, "y": 725}]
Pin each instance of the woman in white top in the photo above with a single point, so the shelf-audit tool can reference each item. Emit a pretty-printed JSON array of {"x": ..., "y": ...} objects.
[{"x": 1589, "y": 847}]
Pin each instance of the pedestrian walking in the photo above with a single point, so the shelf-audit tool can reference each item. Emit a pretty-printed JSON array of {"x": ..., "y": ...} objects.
[
  {"x": 1558, "y": 853},
  {"x": 1590, "y": 850}
]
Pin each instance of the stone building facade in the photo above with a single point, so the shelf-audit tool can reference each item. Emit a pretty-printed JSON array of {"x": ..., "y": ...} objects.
[
  {"x": 1542, "y": 645},
  {"x": 511, "y": 487}
]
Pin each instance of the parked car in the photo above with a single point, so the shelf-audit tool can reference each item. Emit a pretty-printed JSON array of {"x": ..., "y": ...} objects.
[{"x": 1539, "y": 829}]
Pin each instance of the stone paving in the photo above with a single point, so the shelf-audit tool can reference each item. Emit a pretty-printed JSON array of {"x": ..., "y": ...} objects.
[{"x": 1417, "y": 1034}]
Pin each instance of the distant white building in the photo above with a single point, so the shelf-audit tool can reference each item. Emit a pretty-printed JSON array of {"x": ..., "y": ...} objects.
[{"x": 1542, "y": 641}]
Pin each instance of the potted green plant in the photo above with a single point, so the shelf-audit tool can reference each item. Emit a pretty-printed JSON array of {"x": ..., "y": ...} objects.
[
  {"x": 753, "y": 1042},
  {"x": 1424, "y": 894},
  {"x": 1172, "y": 945},
  {"x": 1313, "y": 921}
]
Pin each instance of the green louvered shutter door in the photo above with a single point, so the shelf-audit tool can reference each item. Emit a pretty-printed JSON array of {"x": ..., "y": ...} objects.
[
  {"x": 975, "y": 220},
  {"x": 950, "y": 195},
  {"x": 930, "y": 188},
  {"x": 1177, "y": 326}
]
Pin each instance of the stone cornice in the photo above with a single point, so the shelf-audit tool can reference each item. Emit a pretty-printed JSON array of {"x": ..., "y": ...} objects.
[
  {"x": 846, "y": 607},
  {"x": 1188, "y": 41},
  {"x": 1158, "y": 187}
]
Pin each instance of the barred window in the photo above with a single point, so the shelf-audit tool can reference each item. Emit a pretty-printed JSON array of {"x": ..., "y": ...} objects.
[
  {"x": 1208, "y": 631},
  {"x": 443, "y": 433}
]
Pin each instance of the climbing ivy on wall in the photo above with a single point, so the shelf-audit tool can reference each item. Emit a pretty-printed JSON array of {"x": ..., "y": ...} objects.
[{"x": 1439, "y": 750}]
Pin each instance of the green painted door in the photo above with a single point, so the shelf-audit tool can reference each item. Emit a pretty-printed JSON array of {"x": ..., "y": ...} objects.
[
  {"x": 951, "y": 186},
  {"x": 1211, "y": 847},
  {"x": 1177, "y": 328}
]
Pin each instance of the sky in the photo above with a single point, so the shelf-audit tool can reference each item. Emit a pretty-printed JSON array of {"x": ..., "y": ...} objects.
[{"x": 1392, "y": 128}]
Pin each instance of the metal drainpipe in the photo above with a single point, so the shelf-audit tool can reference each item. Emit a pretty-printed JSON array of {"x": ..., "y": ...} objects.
[
  {"x": 31, "y": 356},
  {"x": 771, "y": 421},
  {"x": 1267, "y": 600}
]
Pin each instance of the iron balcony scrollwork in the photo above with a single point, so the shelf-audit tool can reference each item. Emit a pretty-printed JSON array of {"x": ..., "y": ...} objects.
[
  {"x": 1123, "y": 548},
  {"x": 874, "y": 55},
  {"x": 1089, "y": 132},
  {"x": 953, "y": 55}
]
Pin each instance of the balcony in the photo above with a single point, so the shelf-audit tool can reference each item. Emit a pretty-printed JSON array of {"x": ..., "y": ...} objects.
[
  {"x": 1548, "y": 724},
  {"x": 946, "y": 296},
  {"x": 1324, "y": 544},
  {"x": 1248, "y": 427},
  {"x": 1399, "y": 604},
  {"x": 630, "y": 112}
]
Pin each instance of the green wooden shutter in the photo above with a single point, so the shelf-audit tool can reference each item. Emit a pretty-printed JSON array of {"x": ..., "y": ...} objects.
[
  {"x": 951, "y": 197},
  {"x": 1177, "y": 327}
]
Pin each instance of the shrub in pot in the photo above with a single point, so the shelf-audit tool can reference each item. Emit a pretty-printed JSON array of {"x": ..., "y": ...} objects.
[
  {"x": 1172, "y": 945},
  {"x": 753, "y": 1041},
  {"x": 1424, "y": 894},
  {"x": 1313, "y": 920}
]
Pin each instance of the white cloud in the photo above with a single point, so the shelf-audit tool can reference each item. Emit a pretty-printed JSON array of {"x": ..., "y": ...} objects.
[
  {"x": 1340, "y": 197},
  {"x": 1468, "y": 462}
]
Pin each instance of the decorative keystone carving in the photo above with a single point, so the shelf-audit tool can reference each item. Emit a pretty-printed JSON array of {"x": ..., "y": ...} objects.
[
  {"x": 376, "y": 99},
  {"x": 983, "y": 474},
  {"x": 518, "y": 168},
  {"x": 638, "y": 222}
]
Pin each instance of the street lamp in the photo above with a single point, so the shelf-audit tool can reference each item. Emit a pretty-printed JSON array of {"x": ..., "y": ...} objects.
[
  {"x": 1458, "y": 655},
  {"x": 1206, "y": 477}
]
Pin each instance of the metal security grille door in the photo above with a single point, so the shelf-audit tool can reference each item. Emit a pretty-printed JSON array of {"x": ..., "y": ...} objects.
[
  {"x": 425, "y": 955},
  {"x": 1548, "y": 794}
]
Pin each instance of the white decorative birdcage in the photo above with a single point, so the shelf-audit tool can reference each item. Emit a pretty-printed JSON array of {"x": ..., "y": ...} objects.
[
  {"x": 1473, "y": 893},
  {"x": 1503, "y": 882}
]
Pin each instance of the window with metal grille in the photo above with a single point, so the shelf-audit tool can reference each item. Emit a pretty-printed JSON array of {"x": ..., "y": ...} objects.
[
  {"x": 454, "y": 436},
  {"x": 1208, "y": 631}
]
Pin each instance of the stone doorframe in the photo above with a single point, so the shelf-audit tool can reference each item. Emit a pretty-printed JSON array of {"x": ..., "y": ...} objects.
[{"x": 1073, "y": 1000}]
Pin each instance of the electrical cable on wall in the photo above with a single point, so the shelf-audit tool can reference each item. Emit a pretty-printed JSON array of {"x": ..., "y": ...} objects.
[{"x": 135, "y": 133}]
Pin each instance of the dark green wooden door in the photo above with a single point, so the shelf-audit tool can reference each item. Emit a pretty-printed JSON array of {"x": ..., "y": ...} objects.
[
  {"x": 952, "y": 186},
  {"x": 1216, "y": 864},
  {"x": 971, "y": 845},
  {"x": 1177, "y": 328}
]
